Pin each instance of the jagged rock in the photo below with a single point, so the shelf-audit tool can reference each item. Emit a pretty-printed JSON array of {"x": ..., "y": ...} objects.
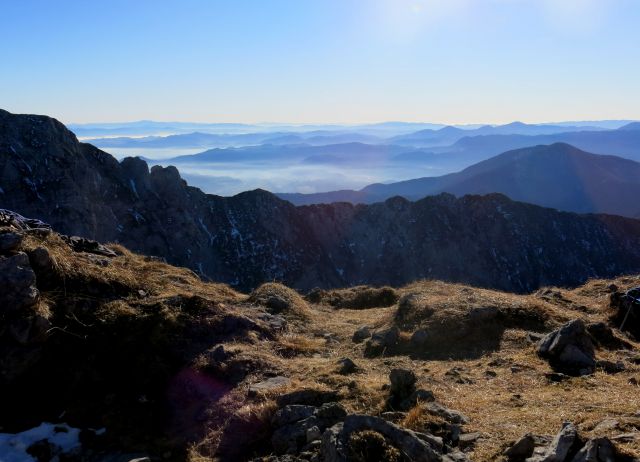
[
  {"x": 569, "y": 349},
  {"x": 361, "y": 334},
  {"x": 292, "y": 413},
  {"x": 333, "y": 448},
  {"x": 467, "y": 440},
  {"x": 597, "y": 450},
  {"x": 10, "y": 241},
  {"x": 330, "y": 413},
  {"x": 81, "y": 244},
  {"x": 347, "y": 366},
  {"x": 565, "y": 443},
  {"x": 17, "y": 280},
  {"x": 292, "y": 437},
  {"x": 382, "y": 341},
  {"x": 521, "y": 449},
  {"x": 447, "y": 414},
  {"x": 414, "y": 446},
  {"x": 13, "y": 219},
  {"x": 313, "y": 434}
]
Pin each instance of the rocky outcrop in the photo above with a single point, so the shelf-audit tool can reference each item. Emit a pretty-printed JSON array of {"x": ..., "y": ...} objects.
[
  {"x": 566, "y": 446},
  {"x": 255, "y": 237}
]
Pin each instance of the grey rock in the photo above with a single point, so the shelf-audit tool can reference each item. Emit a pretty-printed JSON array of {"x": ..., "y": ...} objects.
[
  {"x": 333, "y": 448},
  {"x": 292, "y": 413},
  {"x": 447, "y": 414},
  {"x": 569, "y": 349},
  {"x": 268, "y": 385},
  {"x": 467, "y": 440},
  {"x": 313, "y": 434},
  {"x": 361, "y": 334},
  {"x": 562, "y": 445},
  {"x": 414, "y": 448},
  {"x": 521, "y": 449},
  {"x": 382, "y": 341},
  {"x": 597, "y": 450},
  {"x": 10, "y": 241},
  {"x": 330, "y": 413},
  {"x": 347, "y": 366},
  {"x": 18, "y": 282},
  {"x": 292, "y": 437}
]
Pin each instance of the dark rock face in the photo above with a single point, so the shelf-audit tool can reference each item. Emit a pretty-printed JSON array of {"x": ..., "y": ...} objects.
[{"x": 255, "y": 237}]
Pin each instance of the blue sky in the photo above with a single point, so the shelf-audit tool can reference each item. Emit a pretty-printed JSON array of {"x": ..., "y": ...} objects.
[{"x": 307, "y": 61}]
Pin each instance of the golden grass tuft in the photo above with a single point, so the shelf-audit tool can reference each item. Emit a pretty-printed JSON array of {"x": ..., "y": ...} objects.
[
  {"x": 358, "y": 297},
  {"x": 279, "y": 299}
]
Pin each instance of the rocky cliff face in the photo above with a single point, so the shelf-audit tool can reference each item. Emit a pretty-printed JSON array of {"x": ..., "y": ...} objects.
[{"x": 255, "y": 237}]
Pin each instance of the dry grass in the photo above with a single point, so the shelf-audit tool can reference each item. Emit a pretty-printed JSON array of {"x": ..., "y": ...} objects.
[
  {"x": 280, "y": 299},
  {"x": 359, "y": 297},
  {"x": 127, "y": 272},
  {"x": 517, "y": 400}
]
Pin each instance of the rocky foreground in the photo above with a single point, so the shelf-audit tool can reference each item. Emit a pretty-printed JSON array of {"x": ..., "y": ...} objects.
[{"x": 106, "y": 355}]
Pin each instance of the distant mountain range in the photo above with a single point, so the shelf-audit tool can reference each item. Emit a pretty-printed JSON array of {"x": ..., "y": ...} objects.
[
  {"x": 559, "y": 176},
  {"x": 254, "y": 237}
]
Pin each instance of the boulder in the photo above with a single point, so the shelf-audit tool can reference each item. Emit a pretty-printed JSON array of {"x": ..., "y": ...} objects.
[
  {"x": 382, "y": 341},
  {"x": 292, "y": 413},
  {"x": 347, "y": 366},
  {"x": 569, "y": 349},
  {"x": 18, "y": 282},
  {"x": 521, "y": 449},
  {"x": 10, "y": 241},
  {"x": 564, "y": 445},
  {"x": 361, "y": 334}
]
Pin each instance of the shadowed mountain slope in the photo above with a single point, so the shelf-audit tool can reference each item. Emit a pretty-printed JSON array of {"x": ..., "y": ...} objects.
[
  {"x": 256, "y": 237},
  {"x": 559, "y": 176}
]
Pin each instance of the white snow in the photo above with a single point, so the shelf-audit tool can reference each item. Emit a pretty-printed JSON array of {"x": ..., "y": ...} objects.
[
  {"x": 133, "y": 188},
  {"x": 13, "y": 446}
]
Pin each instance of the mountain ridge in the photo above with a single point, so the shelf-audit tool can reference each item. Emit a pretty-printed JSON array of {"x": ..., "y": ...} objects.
[
  {"x": 256, "y": 237},
  {"x": 558, "y": 176}
]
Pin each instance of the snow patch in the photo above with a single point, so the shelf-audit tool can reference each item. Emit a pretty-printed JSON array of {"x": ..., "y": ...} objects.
[{"x": 13, "y": 446}]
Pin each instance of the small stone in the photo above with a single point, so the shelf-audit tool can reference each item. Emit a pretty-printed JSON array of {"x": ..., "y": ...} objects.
[
  {"x": 467, "y": 440},
  {"x": 347, "y": 366}
]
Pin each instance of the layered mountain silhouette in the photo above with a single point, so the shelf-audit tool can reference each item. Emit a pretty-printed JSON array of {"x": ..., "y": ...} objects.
[
  {"x": 559, "y": 176},
  {"x": 254, "y": 237}
]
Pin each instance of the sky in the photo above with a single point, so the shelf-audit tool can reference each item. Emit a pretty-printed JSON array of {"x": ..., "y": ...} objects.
[{"x": 321, "y": 61}]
